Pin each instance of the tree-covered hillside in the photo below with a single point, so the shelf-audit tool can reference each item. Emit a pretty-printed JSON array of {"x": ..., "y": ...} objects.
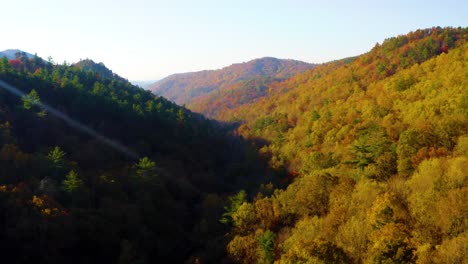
[
  {"x": 378, "y": 144},
  {"x": 374, "y": 147},
  {"x": 95, "y": 170},
  {"x": 214, "y": 105},
  {"x": 184, "y": 88}
]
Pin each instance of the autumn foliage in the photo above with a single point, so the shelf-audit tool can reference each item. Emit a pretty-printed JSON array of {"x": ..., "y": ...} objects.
[
  {"x": 359, "y": 160},
  {"x": 377, "y": 144}
]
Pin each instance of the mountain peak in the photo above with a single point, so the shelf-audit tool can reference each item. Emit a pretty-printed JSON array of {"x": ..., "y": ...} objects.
[
  {"x": 185, "y": 87},
  {"x": 14, "y": 53},
  {"x": 100, "y": 68}
]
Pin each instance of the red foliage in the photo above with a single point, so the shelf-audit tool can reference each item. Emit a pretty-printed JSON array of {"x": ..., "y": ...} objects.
[
  {"x": 16, "y": 64},
  {"x": 444, "y": 48},
  {"x": 426, "y": 153}
]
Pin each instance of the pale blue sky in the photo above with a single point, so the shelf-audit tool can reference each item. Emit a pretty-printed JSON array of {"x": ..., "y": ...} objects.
[{"x": 143, "y": 39}]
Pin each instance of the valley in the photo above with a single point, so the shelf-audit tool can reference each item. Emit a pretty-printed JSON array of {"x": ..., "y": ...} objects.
[{"x": 359, "y": 160}]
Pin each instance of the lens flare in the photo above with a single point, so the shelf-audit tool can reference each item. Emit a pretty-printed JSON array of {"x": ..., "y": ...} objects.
[{"x": 75, "y": 124}]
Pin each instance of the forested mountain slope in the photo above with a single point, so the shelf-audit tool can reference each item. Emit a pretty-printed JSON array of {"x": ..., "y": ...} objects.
[
  {"x": 378, "y": 144},
  {"x": 215, "y": 105},
  {"x": 183, "y": 88},
  {"x": 95, "y": 170},
  {"x": 235, "y": 100}
]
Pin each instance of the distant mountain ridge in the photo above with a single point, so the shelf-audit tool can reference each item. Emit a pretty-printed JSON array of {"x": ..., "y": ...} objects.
[
  {"x": 182, "y": 88},
  {"x": 11, "y": 54},
  {"x": 143, "y": 84}
]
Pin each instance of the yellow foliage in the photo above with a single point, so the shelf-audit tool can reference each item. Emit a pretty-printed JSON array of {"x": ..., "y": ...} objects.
[
  {"x": 38, "y": 202},
  {"x": 306, "y": 229},
  {"x": 391, "y": 244},
  {"x": 462, "y": 146},
  {"x": 424, "y": 254},
  {"x": 353, "y": 237},
  {"x": 453, "y": 212},
  {"x": 44, "y": 206},
  {"x": 418, "y": 206},
  {"x": 46, "y": 211},
  {"x": 365, "y": 192},
  {"x": 266, "y": 213},
  {"x": 245, "y": 218},
  {"x": 314, "y": 251},
  {"x": 243, "y": 249},
  {"x": 457, "y": 173},
  {"x": 424, "y": 196},
  {"x": 387, "y": 208},
  {"x": 453, "y": 250}
]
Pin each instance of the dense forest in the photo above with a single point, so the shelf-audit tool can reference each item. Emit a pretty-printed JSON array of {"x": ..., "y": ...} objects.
[
  {"x": 95, "y": 170},
  {"x": 359, "y": 160},
  {"x": 377, "y": 146}
]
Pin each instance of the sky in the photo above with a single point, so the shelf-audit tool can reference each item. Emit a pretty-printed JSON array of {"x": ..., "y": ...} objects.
[{"x": 150, "y": 39}]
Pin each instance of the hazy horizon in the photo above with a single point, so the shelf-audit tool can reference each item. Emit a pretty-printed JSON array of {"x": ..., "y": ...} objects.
[{"x": 143, "y": 41}]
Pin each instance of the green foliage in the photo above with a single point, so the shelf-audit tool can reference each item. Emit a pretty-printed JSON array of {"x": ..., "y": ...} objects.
[
  {"x": 31, "y": 101},
  {"x": 364, "y": 153},
  {"x": 372, "y": 151},
  {"x": 72, "y": 182},
  {"x": 407, "y": 147},
  {"x": 315, "y": 115},
  {"x": 267, "y": 246},
  {"x": 317, "y": 161},
  {"x": 233, "y": 204},
  {"x": 56, "y": 157},
  {"x": 57, "y": 162},
  {"x": 180, "y": 116},
  {"x": 145, "y": 167}
]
